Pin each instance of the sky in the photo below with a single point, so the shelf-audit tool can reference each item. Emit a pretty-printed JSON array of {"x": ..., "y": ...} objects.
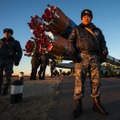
[{"x": 16, "y": 14}]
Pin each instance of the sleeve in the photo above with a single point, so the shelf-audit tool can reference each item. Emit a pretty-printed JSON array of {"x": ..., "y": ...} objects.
[
  {"x": 102, "y": 43},
  {"x": 18, "y": 50},
  {"x": 103, "y": 48},
  {"x": 72, "y": 46}
]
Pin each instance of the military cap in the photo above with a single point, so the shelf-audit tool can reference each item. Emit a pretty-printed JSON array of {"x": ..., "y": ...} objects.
[
  {"x": 8, "y": 30},
  {"x": 86, "y": 12}
]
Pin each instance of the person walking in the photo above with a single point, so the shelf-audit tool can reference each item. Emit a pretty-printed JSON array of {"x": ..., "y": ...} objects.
[
  {"x": 87, "y": 47},
  {"x": 10, "y": 54}
]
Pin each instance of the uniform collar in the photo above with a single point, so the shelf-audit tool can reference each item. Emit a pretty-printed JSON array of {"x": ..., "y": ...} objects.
[
  {"x": 10, "y": 39},
  {"x": 91, "y": 26}
]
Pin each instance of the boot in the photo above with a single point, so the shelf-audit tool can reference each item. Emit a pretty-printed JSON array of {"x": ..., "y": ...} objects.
[
  {"x": 5, "y": 90},
  {"x": 78, "y": 108},
  {"x": 98, "y": 107},
  {"x": 0, "y": 89}
]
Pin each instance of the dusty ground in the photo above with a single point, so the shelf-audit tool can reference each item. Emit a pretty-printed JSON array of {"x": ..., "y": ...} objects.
[
  {"x": 32, "y": 108},
  {"x": 37, "y": 101}
]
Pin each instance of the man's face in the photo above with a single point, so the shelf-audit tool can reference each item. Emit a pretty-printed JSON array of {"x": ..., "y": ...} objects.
[
  {"x": 86, "y": 20},
  {"x": 7, "y": 35}
]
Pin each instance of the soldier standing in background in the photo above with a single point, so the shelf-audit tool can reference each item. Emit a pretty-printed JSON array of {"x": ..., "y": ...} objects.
[
  {"x": 86, "y": 42},
  {"x": 35, "y": 63},
  {"x": 44, "y": 61},
  {"x": 52, "y": 66},
  {"x": 10, "y": 54}
]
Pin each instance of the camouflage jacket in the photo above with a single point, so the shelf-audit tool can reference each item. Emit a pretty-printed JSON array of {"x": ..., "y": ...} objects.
[{"x": 82, "y": 41}]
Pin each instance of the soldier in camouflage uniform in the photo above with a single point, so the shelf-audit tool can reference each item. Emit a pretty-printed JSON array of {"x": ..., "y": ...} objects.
[
  {"x": 10, "y": 53},
  {"x": 85, "y": 47}
]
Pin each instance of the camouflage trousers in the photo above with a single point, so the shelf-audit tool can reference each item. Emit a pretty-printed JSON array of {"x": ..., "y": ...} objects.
[{"x": 89, "y": 64}]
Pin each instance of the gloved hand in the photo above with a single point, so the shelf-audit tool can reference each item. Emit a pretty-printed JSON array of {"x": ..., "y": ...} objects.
[
  {"x": 16, "y": 63},
  {"x": 105, "y": 52},
  {"x": 103, "y": 55}
]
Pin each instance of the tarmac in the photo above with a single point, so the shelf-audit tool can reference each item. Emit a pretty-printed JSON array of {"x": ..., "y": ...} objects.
[
  {"x": 49, "y": 86},
  {"x": 37, "y": 99},
  {"x": 60, "y": 90},
  {"x": 110, "y": 98}
]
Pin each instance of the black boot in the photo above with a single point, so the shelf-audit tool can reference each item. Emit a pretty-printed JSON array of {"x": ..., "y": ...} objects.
[
  {"x": 0, "y": 89},
  {"x": 78, "y": 108},
  {"x": 98, "y": 107},
  {"x": 5, "y": 90}
]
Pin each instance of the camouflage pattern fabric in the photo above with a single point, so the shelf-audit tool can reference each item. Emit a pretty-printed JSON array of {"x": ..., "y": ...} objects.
[{"x": 90, "y": 64}]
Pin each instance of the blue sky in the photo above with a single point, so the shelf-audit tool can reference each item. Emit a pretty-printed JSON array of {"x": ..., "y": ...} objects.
[{"x": 16, "y": 14}]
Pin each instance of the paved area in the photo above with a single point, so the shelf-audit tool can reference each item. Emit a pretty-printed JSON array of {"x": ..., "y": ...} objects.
[
  {"x": 38, "y": 98},
  {"x": 38, "y": 87},
  {"x": 52, "y": 99},
  {"x": 41, "y": 87},
  {"x": 110, "y": 98}
]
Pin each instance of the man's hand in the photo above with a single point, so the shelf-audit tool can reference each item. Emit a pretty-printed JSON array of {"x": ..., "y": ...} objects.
[
  {"x": 105, "y": 52},
  {"x": 16, "y": 63}
]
